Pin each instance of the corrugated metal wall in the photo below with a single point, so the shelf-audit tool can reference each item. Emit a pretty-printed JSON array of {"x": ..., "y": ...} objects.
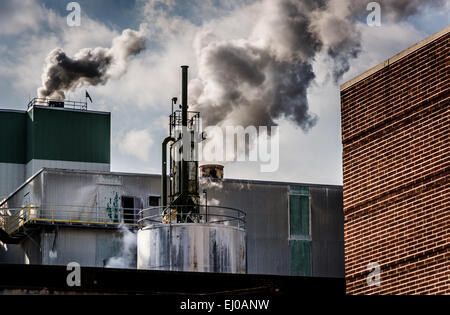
[
  {"x": 12, "y": 175},
  {"x": 13, "y": 150},
  {"x": 327, "y": 231},
  {"x": 68, "y": 135},
  {"x": 51, "y": 137},
  {"x": 12, "y": 137},
  {"x": 33, "y": 166},
  {"x": 270, "y": 247},
  {"x": 266, "y": 206}
]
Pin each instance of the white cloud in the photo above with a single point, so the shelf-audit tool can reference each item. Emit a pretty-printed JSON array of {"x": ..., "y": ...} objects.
[
  {"x": 20, "y": 16},
  {"x": 136, "y": 143}
]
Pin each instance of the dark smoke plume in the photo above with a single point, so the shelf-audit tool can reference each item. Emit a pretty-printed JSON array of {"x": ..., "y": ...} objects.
[
  {"x": 89, "y": 66},
  {"x": 256, "y": 80}
]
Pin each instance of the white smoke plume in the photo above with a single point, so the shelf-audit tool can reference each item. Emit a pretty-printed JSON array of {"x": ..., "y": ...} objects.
[
  {"x": 259, "y": 79},
  {"x": 127, "y": 256},
  {"x": 89, "y": 66}
]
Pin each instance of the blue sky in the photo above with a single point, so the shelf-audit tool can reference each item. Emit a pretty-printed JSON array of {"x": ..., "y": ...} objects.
[{"x": 140, "y": 100}]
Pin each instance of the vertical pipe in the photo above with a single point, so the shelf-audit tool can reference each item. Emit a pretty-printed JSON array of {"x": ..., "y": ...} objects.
[
  {"x": 185, "y": 145},
  {"x": 164, "y": 170},
  {"x": 184, "y": 94}
]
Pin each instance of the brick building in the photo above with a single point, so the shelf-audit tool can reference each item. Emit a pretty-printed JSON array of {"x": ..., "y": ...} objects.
[{"x": 396, "y": 163}]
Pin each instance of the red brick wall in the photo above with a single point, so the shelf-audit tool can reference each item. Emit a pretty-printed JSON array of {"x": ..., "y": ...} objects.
[{"x": 396, "y": 163}]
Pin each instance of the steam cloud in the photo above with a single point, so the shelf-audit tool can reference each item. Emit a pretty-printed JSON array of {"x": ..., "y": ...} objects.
[
  {"x": 89, "y": 66},
  {"x": 257, "y": 80},
  {"x": 127, "y": 255}
]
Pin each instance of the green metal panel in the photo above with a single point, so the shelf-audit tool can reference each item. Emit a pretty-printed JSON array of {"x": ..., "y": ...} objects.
[
  {"x": 299, "y": 215},
  {"x": 68, "y": 135},
  {"x": 12, "y": 137},
  {"x": 300, "y": 258},
  {"x": 300, "y": 190}
]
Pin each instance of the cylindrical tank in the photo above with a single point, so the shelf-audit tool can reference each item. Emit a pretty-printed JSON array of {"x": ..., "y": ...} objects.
[{"x": 214, "y": 243}]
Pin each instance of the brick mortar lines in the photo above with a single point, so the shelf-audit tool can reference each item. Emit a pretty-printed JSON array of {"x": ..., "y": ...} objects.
[
  {"x": 396, "y": 192},
  {"x": 416, "y": 64},
  {"x": 404, "y": 261},
  {"x": 415, "y": 276},
  {"x": 417, "y": 55},
  {"x": 395, "y": 205},
  {"x": 366, "y": 120},
  {"x": 440, "y": 101},
  {"x": 419, "y": 279},
  {"x": 437, "y": 112},
  {"x": 409, "y": 139},
  {"x": 400, "y": 166}
]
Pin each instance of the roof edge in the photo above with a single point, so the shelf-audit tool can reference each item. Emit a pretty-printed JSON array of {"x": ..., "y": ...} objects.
[
  {"x": 395, "y": 58},
  {"x": 69, "y": 110}
]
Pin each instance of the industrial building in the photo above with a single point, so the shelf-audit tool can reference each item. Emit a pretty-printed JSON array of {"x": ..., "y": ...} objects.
[
  {"x": 48, "y": 136},
  {"x": 62, "y": 204},
  {"x": 395, "y": 135},
  {"x": 77, "y": 213}
]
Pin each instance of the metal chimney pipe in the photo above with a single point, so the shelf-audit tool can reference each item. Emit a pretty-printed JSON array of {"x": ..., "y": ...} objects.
[
  {"x": 184, "y": 95},
  {"x": 185, "y": 146}
]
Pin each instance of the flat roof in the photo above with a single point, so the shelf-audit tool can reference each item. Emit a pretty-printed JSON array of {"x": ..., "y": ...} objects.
[
  {"x": 53, "y": 108},
  {"x": 248, "y": 181},
  {"x": 69, "y": 109},
  {"x": 395, "y": 58},
  {"x": 5, "y": 110}
]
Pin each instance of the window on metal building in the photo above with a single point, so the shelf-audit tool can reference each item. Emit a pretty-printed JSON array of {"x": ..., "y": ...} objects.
[
  {"x": 299, "y": 231},
  {"x": 154, "y": 201},
  {"x": 128, "y": 209},
  {"x": 299, "y": 212}
]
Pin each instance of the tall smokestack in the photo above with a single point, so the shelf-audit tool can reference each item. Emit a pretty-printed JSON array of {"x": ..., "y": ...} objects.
[
  {"x": 184, "y": 94},
  {"x": 184, "y": 118}
]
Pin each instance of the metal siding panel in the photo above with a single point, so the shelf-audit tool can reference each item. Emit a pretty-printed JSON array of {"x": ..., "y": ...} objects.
[
  {"x": 299, "y": 215},
  {"x": 34, "y": 166},
  {"x": 300, "y": 256},
  {"x": 69, "y": 136},
  {"x": 13, "y": 130},
  {"x": 12, "y": 254},
  {"x": 72, "y": 245},
  {"x": 327, "y": 224},
  {"x": 266, "y": 207},
  {"x": 11, "y": 177},
  {"x": 109, "y": 244}
]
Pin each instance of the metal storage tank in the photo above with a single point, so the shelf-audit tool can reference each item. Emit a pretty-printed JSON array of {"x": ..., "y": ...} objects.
[
  {"x": 213, "y": 240},
  {"x": 184, "y": 235}
]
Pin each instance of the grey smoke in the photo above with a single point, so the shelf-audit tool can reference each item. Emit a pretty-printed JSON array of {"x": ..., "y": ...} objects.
[
  {"x": 259, "y": 79},
  {"x": 89, "y": 66}
]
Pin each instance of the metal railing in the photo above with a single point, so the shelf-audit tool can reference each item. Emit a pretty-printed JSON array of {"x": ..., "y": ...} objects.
[
  {"x": 192, "y": 214},
  {"x": 13, "y": 219},
  {"x": 48, "y": 102},
  {"x": 193, "y": 121}
]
